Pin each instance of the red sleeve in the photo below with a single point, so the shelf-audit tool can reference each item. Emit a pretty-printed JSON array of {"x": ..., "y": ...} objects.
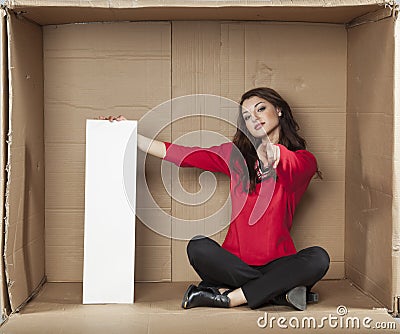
[
  {"x": 213, "y": 159},
  {"x": 295, "y": 168}
]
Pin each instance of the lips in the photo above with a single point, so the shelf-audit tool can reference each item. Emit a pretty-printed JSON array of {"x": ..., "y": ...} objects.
[{"x": 259, "y": 126}]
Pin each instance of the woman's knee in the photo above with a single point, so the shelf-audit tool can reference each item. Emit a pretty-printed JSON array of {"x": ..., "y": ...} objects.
[
  {"x": 321, "y": 259},
  {"x": 196, "y": 247},
  {"x": 317, "y": 258}
]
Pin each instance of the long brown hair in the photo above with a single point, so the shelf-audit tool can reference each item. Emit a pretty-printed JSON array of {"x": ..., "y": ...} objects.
[{"x": 246, "y": 144}]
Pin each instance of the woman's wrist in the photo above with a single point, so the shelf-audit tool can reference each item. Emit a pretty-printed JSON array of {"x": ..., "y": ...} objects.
[{"x": 151, "y": 146}]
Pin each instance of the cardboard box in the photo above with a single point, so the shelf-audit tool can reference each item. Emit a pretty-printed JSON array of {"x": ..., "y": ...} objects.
[{"x": 334, "y": 62}]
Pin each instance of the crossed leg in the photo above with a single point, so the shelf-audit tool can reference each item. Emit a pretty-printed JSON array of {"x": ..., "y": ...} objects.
[{"x": 255, "y": 285}]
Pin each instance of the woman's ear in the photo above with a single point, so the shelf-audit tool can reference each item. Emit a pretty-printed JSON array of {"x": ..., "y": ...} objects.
[{"x": 278, "y": 110}]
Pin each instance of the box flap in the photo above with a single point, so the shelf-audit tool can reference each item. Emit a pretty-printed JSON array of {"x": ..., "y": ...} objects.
[
  {"x": 59, "y": 12},
  {"x": 196, "y": 3},
  {"x": 396, "y": 173},
  {"x": 24, "y": 238},
  {"x": 4, "y": 302},
  {"x": 369, "y": 174}
]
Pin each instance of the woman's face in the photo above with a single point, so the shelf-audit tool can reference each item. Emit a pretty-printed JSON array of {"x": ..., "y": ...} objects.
[{"x": 261, "y": 118}]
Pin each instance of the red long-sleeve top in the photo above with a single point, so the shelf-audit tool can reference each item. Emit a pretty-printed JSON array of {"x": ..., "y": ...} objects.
[{"x": 259, "y": 230}]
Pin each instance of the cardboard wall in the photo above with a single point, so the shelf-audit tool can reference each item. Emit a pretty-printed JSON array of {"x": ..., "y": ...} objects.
[
  {"x": 369, "y": 158},
  {"x": 318, "y": 68},
  {"x": 90, "y": 72},
  {"x": 306, "y": 63},
  {"x": 197, "y": 69},
  {"x": 4, "y": 148},
  {"x": 175, "y": 3},
  {"x": 396, "y": 175},
  {"x": 47, "y": 12},
  {"x": 24, "y": 239}
]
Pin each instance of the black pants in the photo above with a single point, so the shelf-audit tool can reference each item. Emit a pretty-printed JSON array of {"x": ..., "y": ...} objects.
[{"x": 218, "y": 267}]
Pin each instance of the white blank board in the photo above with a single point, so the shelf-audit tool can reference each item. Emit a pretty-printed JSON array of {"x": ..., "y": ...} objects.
[{"x": 110, "y": 197}]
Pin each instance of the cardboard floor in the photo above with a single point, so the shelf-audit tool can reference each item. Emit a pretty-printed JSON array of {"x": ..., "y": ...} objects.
[{"x": 157, "y": 309}]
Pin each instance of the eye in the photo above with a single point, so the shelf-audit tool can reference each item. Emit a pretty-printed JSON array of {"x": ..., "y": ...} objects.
[
  {"x": 246, "y": 118},
  {"x": 261, "y": 109}
]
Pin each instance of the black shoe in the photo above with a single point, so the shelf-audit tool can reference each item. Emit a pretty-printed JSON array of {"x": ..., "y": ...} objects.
[
  {"x": 296, "y": 297},
  {"x": 312, "y": 297},
  {"x": 212, "y": 289},
  {"x": 215, "y": 289},
  {"x": 205, "y": 296}
]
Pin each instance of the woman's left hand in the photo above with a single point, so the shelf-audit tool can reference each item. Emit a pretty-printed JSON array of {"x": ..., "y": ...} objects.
[
  {"x": 269, "y": 153},
  {"x": 113, "y": 118}
]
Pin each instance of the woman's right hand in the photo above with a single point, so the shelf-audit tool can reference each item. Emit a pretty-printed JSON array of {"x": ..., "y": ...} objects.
[
  {"x": 269, "y": 153},
  {"x": 113, "y": 118}
]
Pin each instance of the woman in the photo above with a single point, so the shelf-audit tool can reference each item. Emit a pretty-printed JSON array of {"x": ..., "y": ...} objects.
[{"x": 257, "y": 262}]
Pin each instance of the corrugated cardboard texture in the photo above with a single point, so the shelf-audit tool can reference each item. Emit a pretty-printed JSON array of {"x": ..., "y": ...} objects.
[
  {"x": 24, "y": 249},
  {"x": 296, "y": 60},
  {"x": 196, "y": 69},
  {"x": 57, "y": 12},
  {"x": 396, "y": 171},
  {"x": 372, "y": 16},
  {"x": 369, "y": 158},
  {"x": 192, "y": 3},
  {"x": 157, "y": 310},
  {"x": 4, "y": 149},
  {"x": 92, "y": 70},
  {"x": 85, "y": 78},
  {"x": 89, "y": 72}
]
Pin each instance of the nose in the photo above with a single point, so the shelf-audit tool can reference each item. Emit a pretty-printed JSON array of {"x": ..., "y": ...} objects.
[{"x": 254, "y": 118}]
